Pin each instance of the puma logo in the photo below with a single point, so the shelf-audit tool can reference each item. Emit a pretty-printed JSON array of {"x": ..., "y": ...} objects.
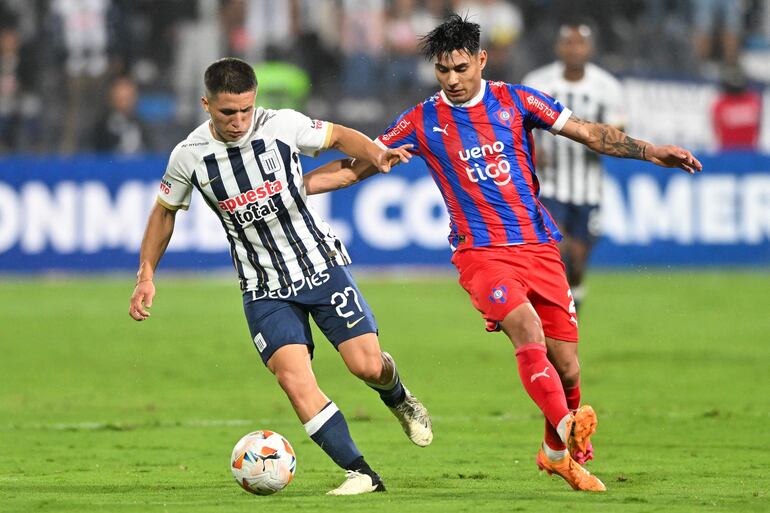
[
  {"x": 442, "y": 130},
  {"x": 539, "y": 375}
]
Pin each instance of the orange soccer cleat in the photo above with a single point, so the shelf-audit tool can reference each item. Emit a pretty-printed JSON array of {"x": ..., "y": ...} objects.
[
  {"x": 571, "y": 471},
  {"x": 579, "y": 434},
  {"x": 583, "y": 457}
]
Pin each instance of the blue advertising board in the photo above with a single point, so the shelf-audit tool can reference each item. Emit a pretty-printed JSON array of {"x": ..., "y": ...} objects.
[{"x": 88, "y": 213}]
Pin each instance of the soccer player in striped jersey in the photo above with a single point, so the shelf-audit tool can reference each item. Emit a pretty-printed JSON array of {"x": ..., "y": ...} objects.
[
  {"x": 476, "y": 139},
  {"x": 570, "y": 173},
  {"x": 244, "y": 162}
]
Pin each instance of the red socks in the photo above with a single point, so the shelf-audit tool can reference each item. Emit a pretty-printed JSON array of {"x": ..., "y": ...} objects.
[
  {"x": 542, "y": 382},
  {"x": 573, "y": 397},
  {"x": 551, "y": 436}
]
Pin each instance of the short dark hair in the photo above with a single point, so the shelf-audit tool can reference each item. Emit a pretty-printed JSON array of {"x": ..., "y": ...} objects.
[
  {"x": 229, "y": 75},
  {"x": 455, "y": 33}
]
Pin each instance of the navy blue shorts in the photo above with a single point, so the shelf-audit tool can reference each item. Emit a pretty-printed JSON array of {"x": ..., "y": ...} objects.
[
  {"x": 576, "y": 221},
  {"x": 281, "y": 317}
]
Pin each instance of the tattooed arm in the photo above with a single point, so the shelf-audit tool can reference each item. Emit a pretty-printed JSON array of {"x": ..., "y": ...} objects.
[{"x": 610, "y": 141}]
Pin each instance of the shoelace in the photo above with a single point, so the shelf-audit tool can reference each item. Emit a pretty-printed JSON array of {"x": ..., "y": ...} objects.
[
  {"x": 350, "y": 475},
  {"x": 409, "y": 409}
]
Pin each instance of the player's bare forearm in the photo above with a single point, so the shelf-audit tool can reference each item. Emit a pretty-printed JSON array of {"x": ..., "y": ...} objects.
[
  {"x": 604, "y": 139},
  {"x": 337, "y": 174},
  {"x": 157, "y": 235},
  {"x": 355, "y": 144},
  {"x": 608, "y": 140},
  {"x": 160, "y": 227}
]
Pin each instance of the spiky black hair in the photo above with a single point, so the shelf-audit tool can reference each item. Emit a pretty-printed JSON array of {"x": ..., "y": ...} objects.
[
  {"x": 229, "y": 75},
  {"x": 455, "y": 33}
]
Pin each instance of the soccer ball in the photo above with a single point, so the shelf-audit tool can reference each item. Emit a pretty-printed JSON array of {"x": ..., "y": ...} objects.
[{"x": 263, "y": 462}]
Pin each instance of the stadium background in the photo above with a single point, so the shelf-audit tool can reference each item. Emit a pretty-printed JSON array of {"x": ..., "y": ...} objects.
[{"x": 95, "y": 93}]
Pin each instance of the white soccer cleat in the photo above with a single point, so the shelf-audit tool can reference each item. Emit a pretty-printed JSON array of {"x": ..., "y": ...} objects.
[
  {"x": 356, "y": 483},
  {"x": 415, "y": 419}
]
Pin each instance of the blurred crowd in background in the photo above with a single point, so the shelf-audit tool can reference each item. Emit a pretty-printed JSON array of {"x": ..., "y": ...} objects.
[{"x": 125, "y": 76}]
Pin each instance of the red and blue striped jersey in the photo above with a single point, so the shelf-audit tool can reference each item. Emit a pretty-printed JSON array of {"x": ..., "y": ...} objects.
[{"x": 482, "y": 157}]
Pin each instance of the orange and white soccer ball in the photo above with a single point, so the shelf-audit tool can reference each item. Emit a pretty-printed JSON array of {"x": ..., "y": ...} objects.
[{"x": 263, "y": 462}]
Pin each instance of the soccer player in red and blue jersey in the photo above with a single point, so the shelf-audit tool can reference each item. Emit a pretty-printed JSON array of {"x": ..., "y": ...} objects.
[{"x": 476, "y": 139}]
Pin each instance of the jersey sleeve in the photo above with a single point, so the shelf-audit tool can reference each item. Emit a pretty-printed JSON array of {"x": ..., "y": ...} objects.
[
  {"x": 175, "y": 186},
  {"x": 402, "y": 131},
  {"x": 311, "y": 135},
  {"x": 541, "y": 110}
]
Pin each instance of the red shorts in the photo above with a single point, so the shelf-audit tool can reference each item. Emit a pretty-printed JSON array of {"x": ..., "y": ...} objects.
[{"x": 500, "y": 278}]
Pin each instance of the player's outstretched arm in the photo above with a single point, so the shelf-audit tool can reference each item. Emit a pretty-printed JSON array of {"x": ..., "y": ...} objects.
[
  {"x": 355, "y": 144},
  {"x": 337, "y": 174},
  {"x": 342, "y": 173},
  {"x": 160, "y": 227},
  {"x": 610, "y": 141}
]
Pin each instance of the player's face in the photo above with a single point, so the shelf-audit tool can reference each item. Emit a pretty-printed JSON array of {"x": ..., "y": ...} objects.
[
  {"x": 574, "y": 47},
  {"x": 231, "y": 114},
  {"x": 459, "y": 74}
]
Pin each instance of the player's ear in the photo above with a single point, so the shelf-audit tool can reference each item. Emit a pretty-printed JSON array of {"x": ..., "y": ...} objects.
[
  {"x": 205, "y": 103},
  {"x": 482, "y": 59}
]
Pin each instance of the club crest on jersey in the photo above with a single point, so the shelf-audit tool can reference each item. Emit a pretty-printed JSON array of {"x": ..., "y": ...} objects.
[
  {"x": 270, "y": 161},
  {"x": 499, "y": 295},
  {"x": 487, "y": 162},
  {"x": 505, "y": 116}
]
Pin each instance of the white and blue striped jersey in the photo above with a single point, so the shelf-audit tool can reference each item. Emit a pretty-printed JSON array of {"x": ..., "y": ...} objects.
[
  {"x": 568, "y": 171},
  {"x": 255, "y": 187}
]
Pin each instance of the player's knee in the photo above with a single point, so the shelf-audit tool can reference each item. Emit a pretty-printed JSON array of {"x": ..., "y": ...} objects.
[
  {"x": 527, "y": 332},
  {"x": 523, "y": 326},
  {"x": 569, "y": 372},
  {"x": 533, "y": 331},
  {"x": 368, "y": 368},
  {"x": 295, "y": 384}
]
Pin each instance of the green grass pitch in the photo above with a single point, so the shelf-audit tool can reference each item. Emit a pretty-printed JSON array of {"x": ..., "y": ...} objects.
[{"x": 102, "y": 414}]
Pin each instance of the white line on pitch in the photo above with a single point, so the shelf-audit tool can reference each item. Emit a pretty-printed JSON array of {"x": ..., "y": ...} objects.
[{"x": 128, "y": 426}]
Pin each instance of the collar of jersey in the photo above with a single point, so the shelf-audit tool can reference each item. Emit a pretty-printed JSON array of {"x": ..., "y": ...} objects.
[{"x": 470, "y": 103}]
